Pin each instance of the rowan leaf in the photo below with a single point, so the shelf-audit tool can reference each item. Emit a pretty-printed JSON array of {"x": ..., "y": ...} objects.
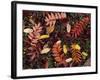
[
  {"x": 76, "y": 56},
  {"x": 79, "y": 27}
]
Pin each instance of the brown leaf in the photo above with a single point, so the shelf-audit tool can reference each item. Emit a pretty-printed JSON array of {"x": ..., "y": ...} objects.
[{"x": 50, "y": 29}]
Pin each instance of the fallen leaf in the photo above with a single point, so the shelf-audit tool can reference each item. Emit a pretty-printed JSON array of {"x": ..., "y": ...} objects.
[
  {"x": 28, "y": 30},
  {"x": 45, "y": 50},
  {"x": 50, "y": 29},
  {"x": 76, "y": 46},
  {"x": 45, "y": 46},
  {"x": 65, "y": 49},
  {"x": 84, "y": 53},
  {"x": 68, "y": 26},
  {"x": 58, "y": 42},
  {"x": 32, "y": 21},
  {"x": 44, "y": 37},
  {"x": 69, "y": 60}
]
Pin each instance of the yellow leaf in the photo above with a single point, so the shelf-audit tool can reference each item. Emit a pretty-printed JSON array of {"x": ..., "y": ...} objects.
[
  {"x": 65, "y": 49},
  {"x": 84, "y": 53},
  {"x": 76, "y": 46},
  {"x": 44, "y": 37},
  {"x": 45, "y": 50}
]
